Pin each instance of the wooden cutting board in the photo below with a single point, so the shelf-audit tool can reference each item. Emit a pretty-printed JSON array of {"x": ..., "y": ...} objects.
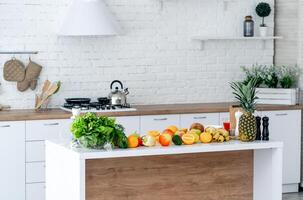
[{"x": 232, "y": 110}]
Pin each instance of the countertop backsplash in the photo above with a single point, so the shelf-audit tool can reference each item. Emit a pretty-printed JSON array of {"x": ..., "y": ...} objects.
[{"x": 155, "y": 57}]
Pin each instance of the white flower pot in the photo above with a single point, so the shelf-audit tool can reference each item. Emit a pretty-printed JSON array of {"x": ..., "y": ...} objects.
[{"x": 263, "y": 31}]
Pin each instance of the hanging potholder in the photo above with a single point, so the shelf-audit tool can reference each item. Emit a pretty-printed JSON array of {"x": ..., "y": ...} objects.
[
  {"x": 23, "y": 85},
  {"x": 32, "y": 73},
  {"x": 14, "y": 70}
]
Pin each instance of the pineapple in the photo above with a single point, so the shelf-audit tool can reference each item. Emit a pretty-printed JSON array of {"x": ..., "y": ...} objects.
[{"x": 246, "y": 94}]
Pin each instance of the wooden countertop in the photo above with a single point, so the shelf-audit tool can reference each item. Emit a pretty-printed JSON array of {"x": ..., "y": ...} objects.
[{"x": 30, "y": 114}]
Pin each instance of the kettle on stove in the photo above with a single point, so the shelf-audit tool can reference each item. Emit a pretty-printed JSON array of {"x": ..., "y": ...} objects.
[{"x": 118, "y": 96}]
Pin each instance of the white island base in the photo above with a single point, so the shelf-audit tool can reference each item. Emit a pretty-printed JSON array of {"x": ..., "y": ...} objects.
[{"x": 227, "y": 171}]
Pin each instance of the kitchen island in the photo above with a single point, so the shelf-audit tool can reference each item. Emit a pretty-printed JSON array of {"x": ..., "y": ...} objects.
[{"x": 232, "y": 170}]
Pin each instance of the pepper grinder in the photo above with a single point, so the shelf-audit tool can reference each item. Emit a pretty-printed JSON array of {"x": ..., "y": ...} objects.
[
  {"x": 265, "y": 132},
  {"x": 258, "y": 136}
]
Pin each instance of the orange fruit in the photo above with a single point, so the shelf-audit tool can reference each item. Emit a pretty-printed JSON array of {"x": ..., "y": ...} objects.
[
  {"x": 133, "y": 141},
  {"x": 206, "y": 137},
  {"x": 188, "y": 139},
  {"x": 172, "y": 128},
  {"x": 169, "y": 132},
  {"x": 165, "y": 139}
]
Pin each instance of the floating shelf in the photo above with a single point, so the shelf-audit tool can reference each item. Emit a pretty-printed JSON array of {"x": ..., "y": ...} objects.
[
  {"x": 218, "y": 38},
  {"x": 19, "y": 52},
  {"x": 206, "y": 38},
  {"x": 225, "y": 4}
]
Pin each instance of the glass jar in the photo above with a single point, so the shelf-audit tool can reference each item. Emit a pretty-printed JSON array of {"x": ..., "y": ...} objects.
[{"x": 248, "y": 27}]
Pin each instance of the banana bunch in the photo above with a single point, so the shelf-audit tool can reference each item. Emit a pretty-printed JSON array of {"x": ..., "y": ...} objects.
[{"x": 219, "y": 134}]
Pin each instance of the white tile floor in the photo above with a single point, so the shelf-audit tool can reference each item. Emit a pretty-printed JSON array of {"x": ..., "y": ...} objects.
[{"x": 293, "y": 196}]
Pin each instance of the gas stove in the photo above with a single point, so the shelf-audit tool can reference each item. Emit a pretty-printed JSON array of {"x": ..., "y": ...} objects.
[{"x": 103, "y": 105}]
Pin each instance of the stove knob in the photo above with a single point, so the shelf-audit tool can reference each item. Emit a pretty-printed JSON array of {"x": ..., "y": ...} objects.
[
  {"x": 113, "y": 107},
  {"x": 108, "y": 107},
  {"x": 98, "y": 107}
]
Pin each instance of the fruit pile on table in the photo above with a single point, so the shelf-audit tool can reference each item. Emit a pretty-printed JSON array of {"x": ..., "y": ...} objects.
[{"x": 197, "y": 133}]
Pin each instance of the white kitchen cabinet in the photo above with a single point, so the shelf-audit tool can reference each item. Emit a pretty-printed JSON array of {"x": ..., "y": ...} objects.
[
  {"x": 35, "y": 191},
  {"x": 158, "y": 122},
  {"x": 48, "y": 129},
  {"x": 35, "y": 172},
  {"x": 203, "y": 118},
  {"x": 286, "y": 126},
  {"x": 131, "y": 124},
  {"x": 36, "y": 133},
  {"x": 35, "y": 151},
  {"x": 12, "y": 167}
]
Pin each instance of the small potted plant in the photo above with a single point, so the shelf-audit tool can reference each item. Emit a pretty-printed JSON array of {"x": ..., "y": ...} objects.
[
  {"x": 274, "y": 84},
  {"x": 263, "y": 10}
]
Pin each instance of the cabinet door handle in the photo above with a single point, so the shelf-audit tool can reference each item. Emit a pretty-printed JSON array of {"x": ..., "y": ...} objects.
[
  {"x": 282, "y": 114},
  {"x": 52, "y": 124},
  {"x": 160, "y": 119},
  {"x": 5, "y": 126},
  {"x": 202, "y": 117}
]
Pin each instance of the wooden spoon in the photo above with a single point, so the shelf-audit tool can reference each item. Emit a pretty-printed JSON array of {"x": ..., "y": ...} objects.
[
  {"x": 51, "y": 90},
  {"x": 45, "y": 87}
]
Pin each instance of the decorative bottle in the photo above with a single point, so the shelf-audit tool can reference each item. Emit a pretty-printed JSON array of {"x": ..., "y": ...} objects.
[{"x": 248, "y": 27}]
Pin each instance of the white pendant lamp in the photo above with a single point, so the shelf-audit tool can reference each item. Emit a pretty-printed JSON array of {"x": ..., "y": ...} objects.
[{"x": 89, "y": 18}]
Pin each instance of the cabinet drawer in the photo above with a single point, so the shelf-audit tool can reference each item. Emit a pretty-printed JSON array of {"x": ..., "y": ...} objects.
[
  {"x": 35, "y": 172},
  {"x": 131, "y": 124},
  {"x": 35, "y": 151},
  {"x": 203, "y": 118},
  {"x": 47, "y": 129},
  {"x": 158, "y": 122},
  {"x": 35, "y": 191}
]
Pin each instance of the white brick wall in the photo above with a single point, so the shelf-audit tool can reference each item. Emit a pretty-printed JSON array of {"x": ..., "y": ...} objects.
[
  {"x": 155, "y": 57},
  {"x": 287, "y": 20}
]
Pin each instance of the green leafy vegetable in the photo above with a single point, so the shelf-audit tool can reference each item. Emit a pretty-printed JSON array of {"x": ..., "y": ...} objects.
[{"x": 94, "y": 131}]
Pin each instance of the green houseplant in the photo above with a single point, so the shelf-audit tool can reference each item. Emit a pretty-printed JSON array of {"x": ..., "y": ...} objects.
[
  {"x": 288, "y": 76},
  {"x": 274, "y": 84},
  {"x": 270, "y": 76},
  {"x": 263, "y": 10},
  {"x": 254, "y": 72}
]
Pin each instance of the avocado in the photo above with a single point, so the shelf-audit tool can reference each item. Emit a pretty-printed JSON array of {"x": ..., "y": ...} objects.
[{"x": 177, "y": 140}]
